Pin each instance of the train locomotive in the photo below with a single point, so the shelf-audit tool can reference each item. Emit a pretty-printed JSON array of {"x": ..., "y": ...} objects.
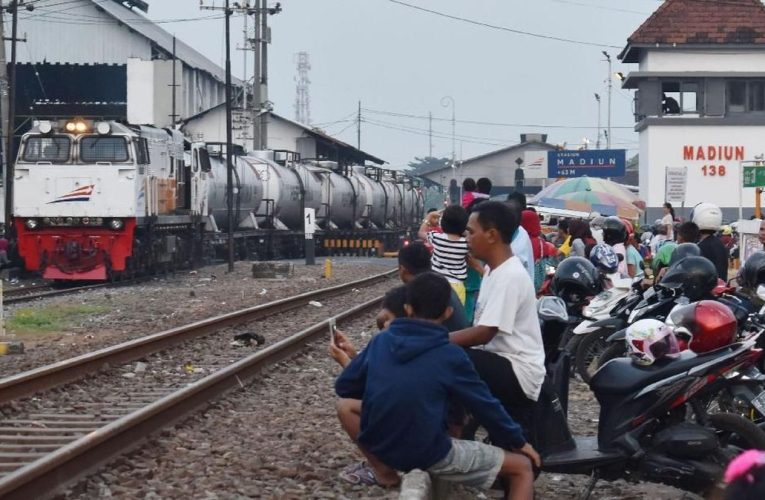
[{"x": 96, "y": 200}]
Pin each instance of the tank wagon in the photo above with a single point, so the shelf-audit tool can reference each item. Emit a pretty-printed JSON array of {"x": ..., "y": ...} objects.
[{"x": 94, "y": 200}]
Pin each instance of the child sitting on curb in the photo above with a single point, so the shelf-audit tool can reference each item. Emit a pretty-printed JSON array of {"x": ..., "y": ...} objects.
[{"x": 394, "y": 399}]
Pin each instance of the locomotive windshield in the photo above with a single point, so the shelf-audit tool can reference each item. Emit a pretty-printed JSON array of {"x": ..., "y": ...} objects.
[
  {"x": 97, "y": 148},
  {"x": 53, "y": 149}
]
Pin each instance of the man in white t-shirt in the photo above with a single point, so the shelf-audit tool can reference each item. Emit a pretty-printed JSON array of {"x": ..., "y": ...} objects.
[{"x": 507, "y": 343}]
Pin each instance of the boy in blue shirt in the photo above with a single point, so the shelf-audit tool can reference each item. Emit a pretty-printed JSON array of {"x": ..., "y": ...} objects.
[{"x": 395, "y": 395}]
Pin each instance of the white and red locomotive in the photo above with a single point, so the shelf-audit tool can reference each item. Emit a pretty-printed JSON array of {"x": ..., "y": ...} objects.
[{"x": 98, "y": 199}]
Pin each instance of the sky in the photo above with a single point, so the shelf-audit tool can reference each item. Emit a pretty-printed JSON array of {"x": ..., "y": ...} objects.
[{"x": 398, "y": 60}]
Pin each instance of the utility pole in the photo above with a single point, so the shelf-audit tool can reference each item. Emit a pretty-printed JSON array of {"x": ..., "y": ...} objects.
[
  {"x": 430, "y": 135},
  {"x": 174, "y": 86},
  {"x": 244, "y": 60},
  {"x": 10, "y": 160},
  {"x": 229, "y": 146},
  {"x": 597, "y": 142},
  {"x": 358, "y": 128},
  {"x": 445, "y": 102},
  {"x": 257, "y": 100},
  {"x": 610, "y": 91}
]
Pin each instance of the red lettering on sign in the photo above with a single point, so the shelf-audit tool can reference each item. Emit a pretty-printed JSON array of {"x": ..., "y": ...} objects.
[{"x": 728, "y": 153}]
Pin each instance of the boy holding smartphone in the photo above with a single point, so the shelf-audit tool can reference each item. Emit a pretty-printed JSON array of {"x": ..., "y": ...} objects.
[{"x": 394, "y": 399}]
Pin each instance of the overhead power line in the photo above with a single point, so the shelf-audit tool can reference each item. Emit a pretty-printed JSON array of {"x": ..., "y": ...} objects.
[
  {"x": 503, "y": 28},
  {"x": 492, "y": 124}
]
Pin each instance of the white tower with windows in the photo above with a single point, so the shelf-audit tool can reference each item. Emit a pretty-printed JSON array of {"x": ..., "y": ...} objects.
[{"x": 700, "y": 98}]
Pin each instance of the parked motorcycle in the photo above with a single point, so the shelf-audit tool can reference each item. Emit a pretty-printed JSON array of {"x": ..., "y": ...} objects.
[{"x": 653, "y": 422}]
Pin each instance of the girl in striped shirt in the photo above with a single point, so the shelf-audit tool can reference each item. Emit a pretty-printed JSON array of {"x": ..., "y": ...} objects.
[{"x": 450, "y": 248}]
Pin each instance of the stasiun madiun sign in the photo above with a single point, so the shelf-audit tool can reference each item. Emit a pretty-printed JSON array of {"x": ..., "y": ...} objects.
[{"x": 592, "y": 163}]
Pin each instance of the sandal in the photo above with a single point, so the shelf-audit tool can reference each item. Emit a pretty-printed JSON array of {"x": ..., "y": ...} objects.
[{"x": 360, "y": 474}]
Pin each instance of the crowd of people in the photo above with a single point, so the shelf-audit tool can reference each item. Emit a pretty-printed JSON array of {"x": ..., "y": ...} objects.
[{"x": 461, "y": 336}]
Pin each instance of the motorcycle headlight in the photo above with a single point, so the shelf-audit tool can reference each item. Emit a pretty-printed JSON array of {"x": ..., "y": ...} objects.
[
  {"x": 115, "y": 224},
  {"x": 31, "y": 223}
]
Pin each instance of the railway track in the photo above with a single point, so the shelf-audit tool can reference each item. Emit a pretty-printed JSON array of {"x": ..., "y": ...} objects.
[
  {"x": 42, "y": 449},
  {"x": 17, "y": 295}
]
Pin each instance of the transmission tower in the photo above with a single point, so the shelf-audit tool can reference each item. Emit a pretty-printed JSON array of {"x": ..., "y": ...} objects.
[{"x": 302, "y": 89}]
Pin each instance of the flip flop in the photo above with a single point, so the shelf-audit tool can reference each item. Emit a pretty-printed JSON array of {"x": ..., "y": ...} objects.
[{"x": 360, "y": 474}]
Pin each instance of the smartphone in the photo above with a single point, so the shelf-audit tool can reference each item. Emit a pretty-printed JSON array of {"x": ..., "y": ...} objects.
[{"x": 332, "y": 330}]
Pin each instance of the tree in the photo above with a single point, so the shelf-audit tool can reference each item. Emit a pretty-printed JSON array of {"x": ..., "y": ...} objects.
[{"x": 427, "y": 164}]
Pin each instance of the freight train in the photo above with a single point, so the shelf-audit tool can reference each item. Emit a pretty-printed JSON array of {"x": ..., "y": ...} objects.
[{"x": 95, "y": 200}]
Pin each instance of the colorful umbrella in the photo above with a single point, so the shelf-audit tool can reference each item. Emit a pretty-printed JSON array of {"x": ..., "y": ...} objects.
[{"x": 590, "y": 194}]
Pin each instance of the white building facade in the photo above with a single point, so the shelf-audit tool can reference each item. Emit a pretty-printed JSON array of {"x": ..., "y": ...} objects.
[{"x": 700, "y": 100}]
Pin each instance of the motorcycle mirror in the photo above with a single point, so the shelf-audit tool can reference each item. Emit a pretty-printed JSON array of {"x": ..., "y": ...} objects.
[{"x": 761, "y": 292}]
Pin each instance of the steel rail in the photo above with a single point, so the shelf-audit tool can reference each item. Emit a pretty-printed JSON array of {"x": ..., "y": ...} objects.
[
  {"x": 56, "y": 374},
  {"x": 53, "y": 471}
]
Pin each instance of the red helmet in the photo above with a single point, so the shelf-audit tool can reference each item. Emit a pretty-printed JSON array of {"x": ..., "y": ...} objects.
[
  {"x": 709, "y": 324},
  {"x": 628, "y": 226}
]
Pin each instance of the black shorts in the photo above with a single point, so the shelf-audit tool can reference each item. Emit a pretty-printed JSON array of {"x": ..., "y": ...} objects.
[{"x": 497, "y": 372}]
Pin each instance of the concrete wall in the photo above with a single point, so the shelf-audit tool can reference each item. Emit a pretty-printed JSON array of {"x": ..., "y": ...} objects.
[
  {"x": 669, "y": 146},
  {"x": 703, "y": 60}
]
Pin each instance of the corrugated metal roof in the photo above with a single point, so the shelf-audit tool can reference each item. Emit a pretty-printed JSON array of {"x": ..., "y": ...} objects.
[{"x": 162, "y": 38}]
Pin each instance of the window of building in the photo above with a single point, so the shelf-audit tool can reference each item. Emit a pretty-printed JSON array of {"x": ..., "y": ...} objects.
[
  {"x": 103, "y": 149},
  {"x": 757, "y": 96},
  {"x": 689, "y": 97},
  {"x": 679, "y": 98},
  {"x": 54, "y": 149},
  {"x": 737, "y": 97}
]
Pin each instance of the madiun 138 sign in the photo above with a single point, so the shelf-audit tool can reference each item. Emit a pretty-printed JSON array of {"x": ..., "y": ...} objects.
[{"x": 592, "y": 163}]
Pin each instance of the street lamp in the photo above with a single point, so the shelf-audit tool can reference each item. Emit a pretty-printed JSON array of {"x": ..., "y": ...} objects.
[
  {"x": 610, "y": 90},
  {"x": 446, "y": 102},
  {"x": 597, "y": 142}
]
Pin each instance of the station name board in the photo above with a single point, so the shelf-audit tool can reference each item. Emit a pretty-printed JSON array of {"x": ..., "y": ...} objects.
[{"x": 592, "y": 163}]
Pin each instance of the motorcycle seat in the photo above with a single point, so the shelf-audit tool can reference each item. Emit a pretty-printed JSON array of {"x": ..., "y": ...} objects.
[{"x": 623, "y": 376}]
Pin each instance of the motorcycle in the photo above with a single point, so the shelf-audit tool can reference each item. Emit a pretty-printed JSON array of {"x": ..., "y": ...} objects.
[
  {"x": 598, "y": 338},
  {"x": 653, "y": 422}
]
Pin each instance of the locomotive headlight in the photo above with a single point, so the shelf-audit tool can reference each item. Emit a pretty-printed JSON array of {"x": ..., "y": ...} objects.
[
  {"x": 103, "y": 128},
  {"x": 70, "y": 127},
  {"x": 31, "y": 223},
  {"x": 85, "y": 221},
  {"x": 69, "y": 221},
  {"x": 46, "y": 221},
  {"x": 80, "y": 127},
  {"x": 115, "y": 224}
]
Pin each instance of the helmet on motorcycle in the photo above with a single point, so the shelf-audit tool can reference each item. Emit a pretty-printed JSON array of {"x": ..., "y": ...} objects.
[
  {"x": 727, "y": 230},
  {"x": 649, "y": 340},
  {"x": 575, "y": 280},
  {"x": 604, "y": 258},
  {"x": 695, "y": 276},
  {"x": 709, "y": 324},
  {"x": 682, "y": 251},
  {"x": 614, "y": 231},
  {"x": 551, "y": 309},
  {"x": 753, "y": 273},
  {"x": 707, "y": 216}
]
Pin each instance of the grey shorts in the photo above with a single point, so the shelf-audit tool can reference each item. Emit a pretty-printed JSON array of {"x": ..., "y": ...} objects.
[{"x": 471, "y": 463}]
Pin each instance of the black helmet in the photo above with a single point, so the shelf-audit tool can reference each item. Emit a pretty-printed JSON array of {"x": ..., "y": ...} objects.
[
  {"x": 575, "y": 280},
  {"x": 753, "y": 273},
  {"x": 695, "y": 276},
  {"x": 614, "y": 231},
  {"x": 682, "y": 251}
]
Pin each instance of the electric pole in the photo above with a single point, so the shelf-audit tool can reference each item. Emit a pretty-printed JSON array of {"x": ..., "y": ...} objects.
[
  {"x": 597, "y": 142},
  {"x": 257, "y": 100},
  {"x": 13, "y": 9},
  {"x": 229, "y": 146},
  {"x": 430, "y": 135},
  {"x": 174, "y": 86},
  {"x": 358, "y": 128},
  {"x": 610, "y": 90}
]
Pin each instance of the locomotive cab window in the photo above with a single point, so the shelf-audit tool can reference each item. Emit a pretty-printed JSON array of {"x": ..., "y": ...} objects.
[
  {"x": 105, "y": 149},
  {"x": 55, "y": 149}
]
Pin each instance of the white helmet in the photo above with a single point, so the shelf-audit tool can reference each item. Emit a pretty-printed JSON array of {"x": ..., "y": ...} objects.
[
  {"x": 707, "y": 216},
  {"x": 649, "y": 340}
]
